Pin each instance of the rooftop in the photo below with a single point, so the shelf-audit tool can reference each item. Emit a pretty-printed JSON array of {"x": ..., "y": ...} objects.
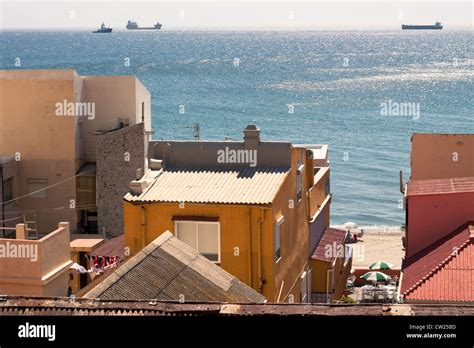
[
  {"x": 231, "y": 186},
  {"x": 53, "y": 306},
  {"x": 444, "y": 271},
  {"x": 440, "y": 186},
  {"x": 330, "y": 236},
  {"x": 170, "y": 270}
]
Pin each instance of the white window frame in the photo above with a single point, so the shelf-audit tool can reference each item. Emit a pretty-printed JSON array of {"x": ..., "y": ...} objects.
[
  {"x": 278, "y": 224},
  {"x": 197, "y": 237}
]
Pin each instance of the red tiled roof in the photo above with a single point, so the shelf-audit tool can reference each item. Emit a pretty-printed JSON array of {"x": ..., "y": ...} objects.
[
  {"x": 440, "y": 186},
  {"x": 330, "y": 236},
  {"x": 444, "y": 271}
]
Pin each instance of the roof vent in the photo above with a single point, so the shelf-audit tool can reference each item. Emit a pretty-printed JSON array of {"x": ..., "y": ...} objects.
[
  {"x": 137, "y": 186},
  {"x": 155, "y": 164}
]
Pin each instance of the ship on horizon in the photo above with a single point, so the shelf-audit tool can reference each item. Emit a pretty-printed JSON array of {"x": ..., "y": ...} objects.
[
  {"x": 132, "y": 25},
  {"x": 102, "y": 29},
  {"x": 436, "y": 26}
]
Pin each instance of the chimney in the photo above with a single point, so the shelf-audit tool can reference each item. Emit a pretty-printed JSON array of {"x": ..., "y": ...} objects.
[{"x": 251, "y": 136}]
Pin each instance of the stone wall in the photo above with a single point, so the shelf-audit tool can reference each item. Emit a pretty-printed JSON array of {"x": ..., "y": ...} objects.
[{"x": 119, "y": 154}]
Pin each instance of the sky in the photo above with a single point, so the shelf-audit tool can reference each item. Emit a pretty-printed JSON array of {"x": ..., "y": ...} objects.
[{"x": 232, "y": 14}]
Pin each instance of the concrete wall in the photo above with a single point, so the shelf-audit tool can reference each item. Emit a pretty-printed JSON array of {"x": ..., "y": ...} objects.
[
  {"x": 176, "y": 153},
  {"x": 114, "y": 97},
  {"x": 47, "y": 274},
  {"x": 294, "y": 231},
  {"x": 439, "y": 156},
  {"x": 431, "y": 217},
  {"x": 119, "y": 155},
  {"x": 51, "y": 146},
  {"x": 45, "y": 141}
]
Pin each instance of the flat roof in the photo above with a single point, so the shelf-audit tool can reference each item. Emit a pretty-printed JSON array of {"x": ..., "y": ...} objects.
[{"x": 85, "y": 245}]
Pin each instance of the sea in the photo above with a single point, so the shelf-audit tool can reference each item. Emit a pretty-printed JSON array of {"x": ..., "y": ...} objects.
[{"x": 364, "y": 93}]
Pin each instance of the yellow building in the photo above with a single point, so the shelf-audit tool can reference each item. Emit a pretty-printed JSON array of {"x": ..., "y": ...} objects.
[{"x": 258, "y": 209}]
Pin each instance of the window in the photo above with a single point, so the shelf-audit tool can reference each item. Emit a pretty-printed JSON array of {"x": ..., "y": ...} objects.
[
  {"x": 7, "y": 190},
  {"x": 40, "y": 185},
  {"x": 123, "y": 122},
  {"x": 203, "y": 236},
  {"x": 299, "y": 181},
  {"x": 278, "y": 224}
]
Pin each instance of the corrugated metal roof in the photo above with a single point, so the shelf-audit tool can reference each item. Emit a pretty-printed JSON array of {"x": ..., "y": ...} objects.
[
  {"x": 170, "y": 270},
  {"x": 330, "y": 236},
  {"x": 52, "y": 306},
  {"x": 442, "y": 272},
  {"x": 246, "y": 186},
  {"x": 440, "y": 186}
]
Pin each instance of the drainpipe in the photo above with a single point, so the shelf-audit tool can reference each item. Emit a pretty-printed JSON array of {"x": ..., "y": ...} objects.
[
  {"x": 250, "y": 247},
  {"x": 143, "y": 226},
  {"x": 260, "y": 278}
]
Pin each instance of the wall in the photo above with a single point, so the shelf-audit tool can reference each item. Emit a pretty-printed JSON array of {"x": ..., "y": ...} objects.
[
  {"x": 431, "y": 217},
  {"x": 432, "y": 156},
  {"x": 337, "y": 279},
  {"x": 9, "y": 211},
  {"x": 294, "y": 231},
  {"x": 114, "y": 97},
  {"x": 238, "y": 225},
  {"x": 119, "y": 155},
  {"x": 177, "y": 153},
  {"x": 28, "y": 112},
  {"x": 47, "y": 275}
]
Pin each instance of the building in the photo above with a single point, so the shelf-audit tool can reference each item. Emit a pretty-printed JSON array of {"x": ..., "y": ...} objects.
[
  {"x": 54, "y": 306},
  {"x": 441, "y": 156},
  {"x": 168, "y": 269},
  {"x": 8, "y": 192},
  {"x": 438, "y": 265},
  {"x": 435, "y": 208},
  {"x": 99, "y": 257},
  {"x": 35, "y": 267},
  {"x": 331, "y": 263},
  {"x": 77, "y": 141},
  {"x": 443, "y": 272},
  {"x": 258, "y": 209}
]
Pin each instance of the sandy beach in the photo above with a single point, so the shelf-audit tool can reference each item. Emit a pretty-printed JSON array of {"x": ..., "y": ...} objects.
[{"x": 378, "y": 244}]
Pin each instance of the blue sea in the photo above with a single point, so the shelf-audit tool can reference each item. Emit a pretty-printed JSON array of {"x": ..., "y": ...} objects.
[{"x": 302, "y": 86}]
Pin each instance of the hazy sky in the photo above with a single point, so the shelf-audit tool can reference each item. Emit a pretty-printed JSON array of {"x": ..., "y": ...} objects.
[{"x": 234, "y": 14}]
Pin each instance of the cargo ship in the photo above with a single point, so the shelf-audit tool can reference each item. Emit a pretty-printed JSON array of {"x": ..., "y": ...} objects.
[
  {"x": 103, "y": 29},
  {"x": 436, "y": 26},
  {"x": 132, "y": 25}
]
